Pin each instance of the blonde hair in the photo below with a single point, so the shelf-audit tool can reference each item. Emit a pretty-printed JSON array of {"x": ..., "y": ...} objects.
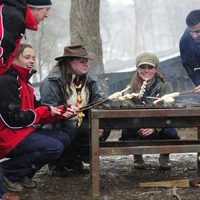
[{"x": 21, "y": 49}]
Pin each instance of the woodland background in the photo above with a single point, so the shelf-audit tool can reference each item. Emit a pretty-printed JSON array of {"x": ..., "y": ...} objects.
[{"x": 115, "y": 30}]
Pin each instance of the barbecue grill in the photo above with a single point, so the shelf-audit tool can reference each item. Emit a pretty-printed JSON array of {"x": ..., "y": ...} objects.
[{"x": 118, "y": 117}]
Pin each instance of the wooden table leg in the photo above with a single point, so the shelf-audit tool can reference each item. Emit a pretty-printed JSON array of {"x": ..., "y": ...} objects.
[
  {"x": 198, "y": 154},
  {"x": 94, "y": 165}
]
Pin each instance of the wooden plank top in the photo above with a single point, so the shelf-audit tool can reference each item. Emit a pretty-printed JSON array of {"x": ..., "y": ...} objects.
[{"x": 155, "y": 112}]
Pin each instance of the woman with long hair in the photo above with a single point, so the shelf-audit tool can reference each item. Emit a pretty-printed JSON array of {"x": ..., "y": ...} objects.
[{"x": 69, "y": 82}]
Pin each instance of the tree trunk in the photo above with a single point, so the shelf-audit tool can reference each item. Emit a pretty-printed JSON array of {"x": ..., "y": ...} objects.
[{"x": 84, "y": 29}]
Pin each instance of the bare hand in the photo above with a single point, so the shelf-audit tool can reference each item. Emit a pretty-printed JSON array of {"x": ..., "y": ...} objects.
[
  {"x": 55, "y": 111},
  {"x": 71, "y": 112},
  {"x": 144, "y": 132},
  {"x": 10, "y": 196},
  {"x": 197, "y": 89},
  {"x": 101, "y": 132}
]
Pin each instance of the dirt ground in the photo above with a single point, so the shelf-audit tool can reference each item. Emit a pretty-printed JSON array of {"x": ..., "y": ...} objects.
[{"x": 120, "y": 181}]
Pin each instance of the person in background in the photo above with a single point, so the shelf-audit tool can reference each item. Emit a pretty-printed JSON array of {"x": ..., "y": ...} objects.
[
  {"x": 15, "y": 18},
  {"x": 190, "y": 48},
  {"x": 147, "y": 64},
  {"x": 68, "y": 82},
  {"x": 27, "y": 147}
]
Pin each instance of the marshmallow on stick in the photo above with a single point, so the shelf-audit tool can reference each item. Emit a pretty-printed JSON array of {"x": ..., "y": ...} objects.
[
  {"x": 119, "y": 96},
  {"x": 138, "y": 95},
  {"x": 167, "y": 98},
  {"x": 116, "y": 95}
]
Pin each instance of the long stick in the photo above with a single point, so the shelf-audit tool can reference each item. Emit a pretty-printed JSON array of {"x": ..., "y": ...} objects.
[
  {"x": 195, "y": 103},
  {"x": 187, "y": 92},
  {"x": 92, "y": 105}
]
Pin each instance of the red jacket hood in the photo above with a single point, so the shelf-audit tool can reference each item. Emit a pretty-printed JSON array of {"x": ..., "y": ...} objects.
[{"x": 30, "y": 20}]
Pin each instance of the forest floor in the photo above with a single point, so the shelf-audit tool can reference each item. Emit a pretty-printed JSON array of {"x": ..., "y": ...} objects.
[{"x": 120, "y": 181}]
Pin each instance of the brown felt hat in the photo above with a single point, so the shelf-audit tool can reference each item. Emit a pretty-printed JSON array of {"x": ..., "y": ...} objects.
[
  {"x": 148, "y": 59},
  {"x": 76, "y": 51}
]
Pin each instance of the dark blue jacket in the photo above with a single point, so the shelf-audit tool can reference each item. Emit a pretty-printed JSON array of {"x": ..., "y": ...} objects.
[{"x": 190, "y": 55}]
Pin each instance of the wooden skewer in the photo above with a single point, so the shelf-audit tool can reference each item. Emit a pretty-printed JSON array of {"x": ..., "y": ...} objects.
[
  {"x": 190, "y": 102},
  {"x": 180, "y": 93},
  {"x": 153, "y": 98},
  {"x": 195, "y": 103},
  {"x": 187, "y": 92},
  {"x": 92, "y": 105},
  {"x": 127, "y": 88}
]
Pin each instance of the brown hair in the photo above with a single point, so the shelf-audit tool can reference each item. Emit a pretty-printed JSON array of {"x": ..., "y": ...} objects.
[
  {"x": 66, "y": 71},
  {"x": 21, "y": 48}
]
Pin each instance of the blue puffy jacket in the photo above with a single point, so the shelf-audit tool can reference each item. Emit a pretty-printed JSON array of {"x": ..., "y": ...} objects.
[{"x": 190, "y": 55}]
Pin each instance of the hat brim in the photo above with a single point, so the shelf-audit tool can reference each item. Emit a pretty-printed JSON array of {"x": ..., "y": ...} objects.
[
  {"x": 39, "y": 6},
  {"x": 146, "y": 63},
  {"x": 90, "y": 56}
]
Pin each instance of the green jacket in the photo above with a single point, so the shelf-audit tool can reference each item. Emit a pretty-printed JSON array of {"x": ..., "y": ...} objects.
[{"x": 157, "y": 89}]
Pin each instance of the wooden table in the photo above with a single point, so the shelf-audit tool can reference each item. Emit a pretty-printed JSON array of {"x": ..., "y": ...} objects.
[{"x": 136, "y": 118}]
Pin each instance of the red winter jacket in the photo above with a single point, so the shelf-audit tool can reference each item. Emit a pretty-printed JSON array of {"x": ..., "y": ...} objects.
[{"x": 17, "y": 108}]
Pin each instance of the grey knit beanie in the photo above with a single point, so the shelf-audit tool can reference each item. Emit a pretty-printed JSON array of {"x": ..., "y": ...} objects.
[{"x": 39, "y": 3}]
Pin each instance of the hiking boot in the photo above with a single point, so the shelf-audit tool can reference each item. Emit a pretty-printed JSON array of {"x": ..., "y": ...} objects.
[
  {"x": 27, "y": 182},
  {"x": 164, "y": 162},
  {"x": 81, "y": 170},
  {"x": 12, "y": 186},
  {"x": 138, "y": 162},
  {"x": 76, "y": 165}
]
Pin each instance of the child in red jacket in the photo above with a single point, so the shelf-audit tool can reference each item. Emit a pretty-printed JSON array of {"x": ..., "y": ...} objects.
[{"x": 28, "y": 147}]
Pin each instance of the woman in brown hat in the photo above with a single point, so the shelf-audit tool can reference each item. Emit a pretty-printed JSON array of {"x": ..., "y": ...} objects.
[
  {"x": 69, "y": 83},
  {"x": 147, "y": 64}
]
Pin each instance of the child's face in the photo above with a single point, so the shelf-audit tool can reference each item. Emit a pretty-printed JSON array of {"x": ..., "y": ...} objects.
[{"x": 26, "y": 59}]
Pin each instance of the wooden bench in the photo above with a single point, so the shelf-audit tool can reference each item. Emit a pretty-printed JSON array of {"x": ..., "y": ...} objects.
[{"x": 135, "y": 118}]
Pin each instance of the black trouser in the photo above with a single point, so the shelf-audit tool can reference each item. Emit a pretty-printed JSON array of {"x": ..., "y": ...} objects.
[
  {"x": 37, "y": 149},
  {"x": 166, "y": 133}
]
